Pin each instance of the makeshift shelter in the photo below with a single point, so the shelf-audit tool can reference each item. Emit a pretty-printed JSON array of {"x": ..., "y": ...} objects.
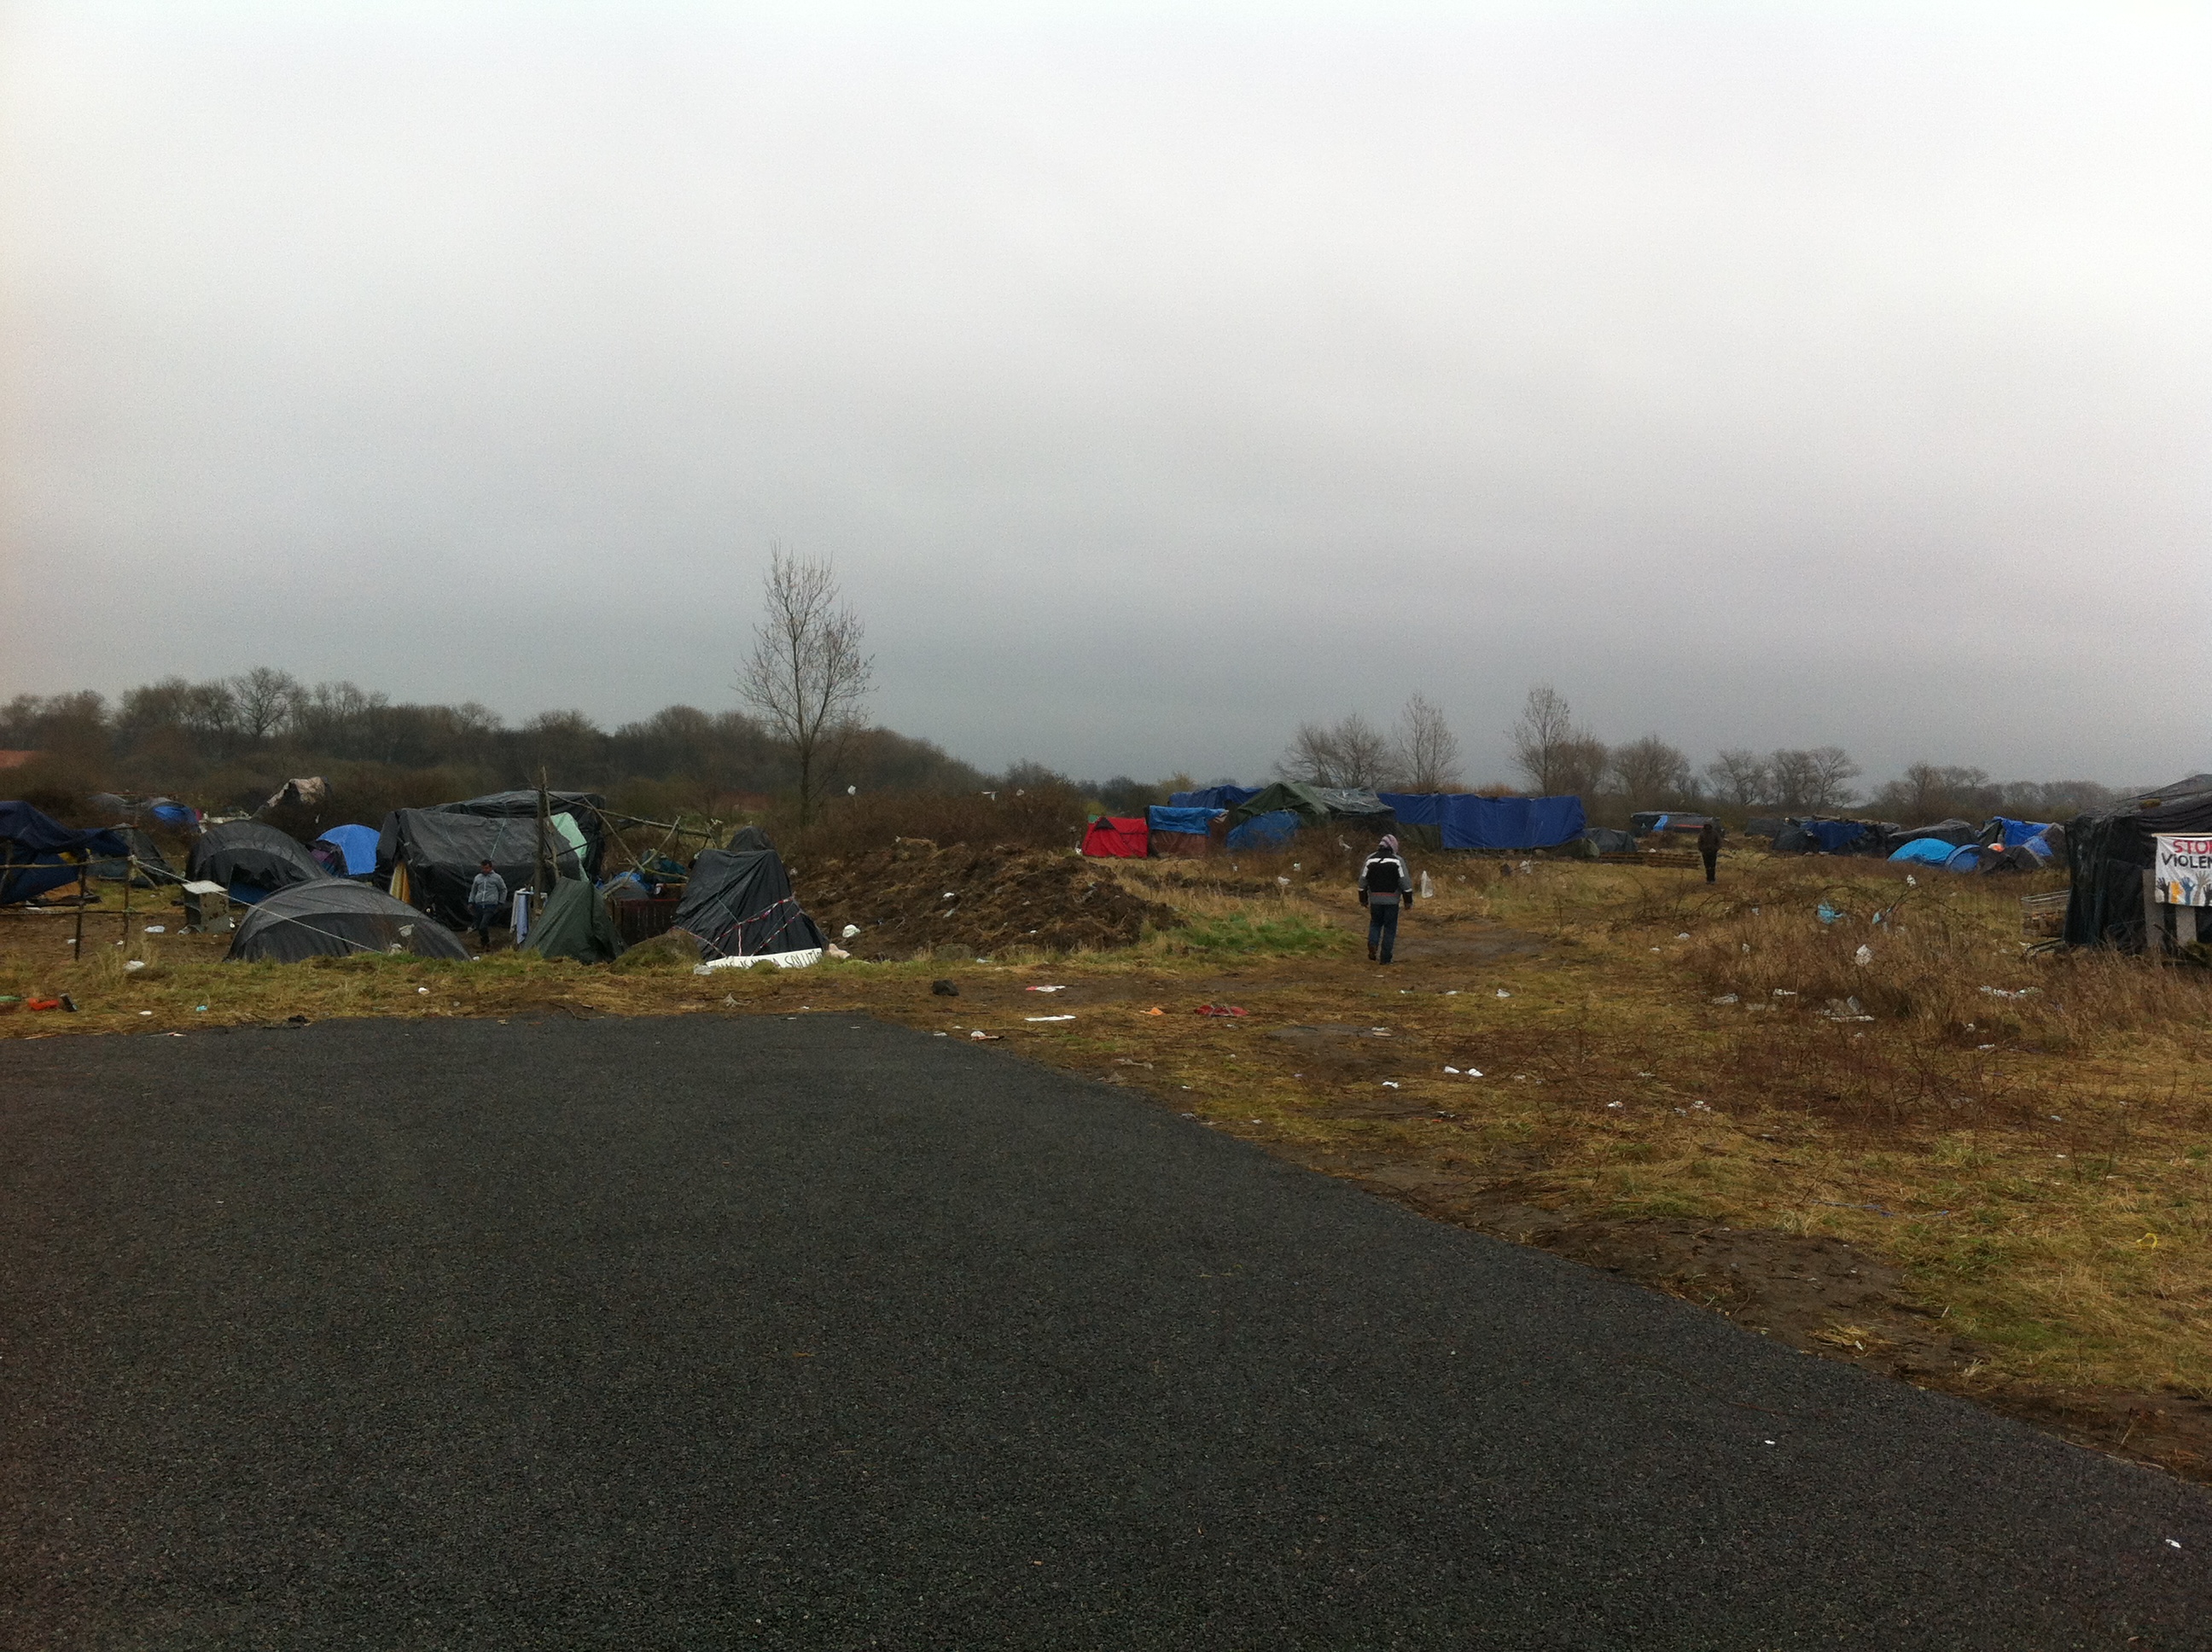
[
  {"x": 584, "y": 810},
  {"x": 1213, "y": 797},
  {"x": 347, "y": 850},
  {"x": 575, "y": 924},
  {"x": 335, "y": 917},
  {"x": 146, "y": 866},
  {"x": 1605, "y": 840},
  {"x": 1109, "y": 838},
  {"x": 1314, "y": 806},
  {"x": 740, "y": 904},
  {"x": 1647, "y": 823},
  {"x": 2003, "y": 828},
  {"x": 1767, "y": 826},
  {"x": 1267, "y": 831},
  {"x": 250, "y": 859},
  {"x": 1460, "y": 820},
  {"x": 309, "y": 792},
  {"x": 1925, "y": 852},
  {"x": 747, "y": 838},
  {"x": 1187, "y": 832},
  {"x": 1956, "y": 832},
  {"x": 429, "y": 857},
  {"x": 2110, "y": 850},
  {"x": 39, "y": 855}
]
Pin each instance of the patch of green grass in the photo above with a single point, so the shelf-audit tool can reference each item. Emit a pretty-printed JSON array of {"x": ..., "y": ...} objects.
[{"x": 1292, "y": 934}]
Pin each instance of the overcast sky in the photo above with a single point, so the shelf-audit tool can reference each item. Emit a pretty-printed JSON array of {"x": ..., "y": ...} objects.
[{"x": 1158, "y": 376}]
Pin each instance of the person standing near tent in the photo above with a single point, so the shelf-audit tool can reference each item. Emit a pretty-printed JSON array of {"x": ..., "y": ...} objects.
[
  {"x": 1385, "y": 885},
  {"x": 1708, "y": 844},
  {"x": 487, "y": 895}
]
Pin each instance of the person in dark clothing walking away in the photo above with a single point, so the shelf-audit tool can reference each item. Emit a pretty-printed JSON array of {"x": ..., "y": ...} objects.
[
  {"x": 487, "y": 898},
  {"x": 1384, "y": 886},
  {"x": 1708, "y": 844}
]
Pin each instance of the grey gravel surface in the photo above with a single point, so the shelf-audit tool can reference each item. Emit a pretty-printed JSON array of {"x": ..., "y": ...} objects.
[{"x": 817, "y": 1332}]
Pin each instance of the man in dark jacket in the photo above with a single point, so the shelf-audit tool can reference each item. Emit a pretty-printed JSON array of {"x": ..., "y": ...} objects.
[
  {"x": 1708, "y": 844},
  {"x": 1385, "y": 884}
]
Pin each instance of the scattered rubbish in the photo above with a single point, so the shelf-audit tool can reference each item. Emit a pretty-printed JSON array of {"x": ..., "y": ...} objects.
[
  {"x": 731, "y": 1003},
  {"x": 848, "y": 932},
  {"x": 1048, "y": 1017},
  {"x": 1155, "y": 1009},
  {"x": 1726, "y": 998},
  {"x": 1282, "y": 883},
  {"x": 1999, "y": 992},
  {"x": 945, "y": 988},
  {"x": 980, "y": 1033},
  {"x": 2172, "y": 1543},
  {"x": 1865, "y": 955},
  {"x": 1428, "y": 889},
  {"x": 1473, "y": 1073},
  {"x": 1502, "y": 992},
  {"x": 1911, "y": 882},
  {"x": 1044, "y": 989},
  {"x": 1786, "y": 991},
  {"x": 1684, "y": 936},
  {"x": 42, "y": 1004},
  {"x": 1613, "y": 1103},
  {"x": 134, "y": 963},
  {"x": 837, "y": 952},
  {"x": 1654, "y": 949},
  {"x": 1451, "y": 1069},
  {"x": 424, "y": 991},
  {"x": 1220, "y": 1009},
  {"x": 804, "y": 958},
  {"x": 155, "y": 929},
  {"x": 1826, "y": 914},
  {"x": 145, "y": 1013},
  {"x": 1985, "y": 1047},
  {"x": 1390, "y": 1084},
  {"x": 940, "y": 1034},
  {"x": 199, "y": 1009}
]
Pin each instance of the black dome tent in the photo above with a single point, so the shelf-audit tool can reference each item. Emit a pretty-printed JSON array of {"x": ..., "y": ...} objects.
[{"x": 335, "y": 917}]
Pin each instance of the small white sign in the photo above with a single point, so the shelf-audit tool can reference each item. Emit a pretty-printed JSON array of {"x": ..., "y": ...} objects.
[{"x": 2183, "y": 871}]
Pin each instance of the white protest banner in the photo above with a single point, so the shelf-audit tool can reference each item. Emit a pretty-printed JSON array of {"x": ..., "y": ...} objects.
[{"x": 2183, "y": 872}]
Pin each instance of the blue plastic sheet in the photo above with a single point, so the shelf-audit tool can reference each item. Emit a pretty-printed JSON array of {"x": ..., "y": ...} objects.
[
  {"x": 1473, "y": 822},
  {"x": 1925, "y": 852},
  {"x": 1172, "y": 819},
  {"x": 1265, "y": 831},
  {"x": 1213, "y": 797},
  {"x": 2017, "y": 832},
  {"x": 357, "y": 844},
  {"x": 1834, "y": 836}
]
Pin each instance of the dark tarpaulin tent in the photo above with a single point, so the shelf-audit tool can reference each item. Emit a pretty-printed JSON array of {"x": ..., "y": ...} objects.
[
  {"x": 38, "y": 854},
  {"x": 1607, "y": 840},
  {"x": 740, "y": 904},
  {"x": 1268, "y": 831},
  {"x": 1213, "y": 797},
  {"x": 1316, "y": 805},
  {"x": 250, "y": 859},
  {"x": 334, "y": 917},
  {"x": 575, "y": 924},
  {"x": 2108, "y": 850},
  {"x": 1955, "y": 832},
  {"x": 438, "y": 853},
  {"x": 145, "y": 865},
  {"x": 584, "y": 808},
  {"x": 747, "y": 838},
  {"x": 1117, "y": 840}
]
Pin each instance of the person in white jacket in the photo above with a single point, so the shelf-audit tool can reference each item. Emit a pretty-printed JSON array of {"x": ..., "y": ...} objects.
[{"x": 1385, "y": 886}]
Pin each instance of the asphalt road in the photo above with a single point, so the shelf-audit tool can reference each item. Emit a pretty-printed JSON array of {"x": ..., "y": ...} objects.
[{"x": 820, "y": 1333}]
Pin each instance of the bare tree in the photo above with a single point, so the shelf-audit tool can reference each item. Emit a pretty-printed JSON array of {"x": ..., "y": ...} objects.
[
  {"x": 1649, "y": 771},
  {"x": 806, "y": 675},
  {"x": 1351, "y": 752},
  {"x": 1741, "y": 777},
  {"x": 1425, "y": 751},
  {"x": 1555, "y": 756},
  {"x": 265, "y": 698},
  {"x": 1812, "y": 781}
]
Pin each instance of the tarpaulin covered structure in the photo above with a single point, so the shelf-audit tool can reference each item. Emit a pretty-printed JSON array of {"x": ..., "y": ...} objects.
[
  {"x": 1114, "y": 839},
  {"x": 2003, "y": 828},
  {"x": 250, "y": 859},
  {"x": 1314, "y": 804},
  {"x": 146, "y": 866},
  {"x": 333, "y": 917},
  {"x": 2108, "y": 850},
  {"x": 740, "y": 903},
  {"x": 1267, "y": 831},
  {"x": 347, "y": 850},
  {"x": 1185, "y": 832},
  {"x": 430, "y": 856},
  {"x": 1925, "y": 852},
  {"x": 583, "y": 809},
  {"x": 1213, "y": 797},
  {"x": 1646, "y": 822},
  {"x": 38, "y": 854},
  {"x": 1463, "y": 821},
  {"x": 575, "y": 924}
]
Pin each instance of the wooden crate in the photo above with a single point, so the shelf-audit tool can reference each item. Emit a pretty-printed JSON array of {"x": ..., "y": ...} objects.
[{"x": 2043, "y": 917}]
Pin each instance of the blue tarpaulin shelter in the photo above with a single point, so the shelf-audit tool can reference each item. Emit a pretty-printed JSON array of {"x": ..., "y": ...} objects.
[
  {"x": 1466, "y": 822},
  {"x": 1213, "y": 797},
  {"x": 2017, "y": 832},
  {"x": 1170, "y": 818},
  {"x": 38, "y": 854},
  {"x": 1834, "y": 836},
  {"x": 357, "y": 847},
  {"x": 1265, "y": 831},
  {"x": 1925, "y": 852}
]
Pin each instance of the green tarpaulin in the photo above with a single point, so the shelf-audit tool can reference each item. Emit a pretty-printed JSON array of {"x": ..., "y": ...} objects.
[
  {"x": 1314, "y": 803},
  {"x": 575, "y": 924}
]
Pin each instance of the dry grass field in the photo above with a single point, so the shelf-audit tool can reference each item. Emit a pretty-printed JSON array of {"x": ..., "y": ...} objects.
[{"x": 1938, "y": 1158}]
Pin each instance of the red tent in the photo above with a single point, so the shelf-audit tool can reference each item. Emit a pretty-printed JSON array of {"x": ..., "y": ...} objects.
[{"x": 1124, "y": 840}]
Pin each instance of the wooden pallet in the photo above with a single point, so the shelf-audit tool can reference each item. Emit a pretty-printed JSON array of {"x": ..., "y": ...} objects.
[
  {"x": 2043, "y": 917},
  {"x": 1686, "y": 858}
]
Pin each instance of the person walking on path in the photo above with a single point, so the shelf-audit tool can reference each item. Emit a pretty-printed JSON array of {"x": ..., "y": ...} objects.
[
  {"x": 1708, "y": 844},
  {"x": 487, "y": 897},
  {"x": 1384, "y": 886}
]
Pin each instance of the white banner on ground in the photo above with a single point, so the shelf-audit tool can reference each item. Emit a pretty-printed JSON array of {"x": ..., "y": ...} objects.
[{"x": 2183, "y": 872}]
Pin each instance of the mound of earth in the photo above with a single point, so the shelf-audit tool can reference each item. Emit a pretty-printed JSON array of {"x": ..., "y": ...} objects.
[{"x": 915, "y": 897}]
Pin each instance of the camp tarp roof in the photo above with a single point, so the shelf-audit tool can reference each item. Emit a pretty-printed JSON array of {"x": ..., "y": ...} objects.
[
  {"x": 584, "y": 808},
  {"x": 1264, "y": 831},
  {"x": 1213, "y": 797},
  {"x": 1314, "y": 803},
  {"x": 38, "y": 854},
  {"x": 575, "y": 924},
  {"x": 251, "y": 854},
  {"x": 747, "y": 838},
  {"x": 357, "y": 844},
  {"x": 1170, "y": 818},
  {"x": 2109, "y": 849},
  {"x": 1925, "y": 852},
  {"x": 334, "y": 917},
  {"x": 1466, "y": 822},
  {"x": 740, "y": 903},
  {"x": 2003, "y": 828},
  {"x": 441, "y": 851}
]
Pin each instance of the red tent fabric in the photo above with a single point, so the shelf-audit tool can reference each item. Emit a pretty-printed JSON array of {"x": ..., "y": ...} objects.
[{"x": 1122, "y": 840}]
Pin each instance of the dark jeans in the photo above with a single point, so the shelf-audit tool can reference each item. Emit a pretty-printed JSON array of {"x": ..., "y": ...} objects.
[
  {"x": 484, "y": 914},
  {"x": 1382, "y": 928},
  {"x": 1712, "y": 860}
]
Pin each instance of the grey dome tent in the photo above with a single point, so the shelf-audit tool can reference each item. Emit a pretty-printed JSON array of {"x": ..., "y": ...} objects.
[
  {"x": 741, "y": 905},
  {"x": 582, "y": 807},
  {"x": 335, "y": 917},
  {"x": 575, "y": 924},
  {"x": 430, "y": 856},
  {"x": 251, "y": 860}
]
